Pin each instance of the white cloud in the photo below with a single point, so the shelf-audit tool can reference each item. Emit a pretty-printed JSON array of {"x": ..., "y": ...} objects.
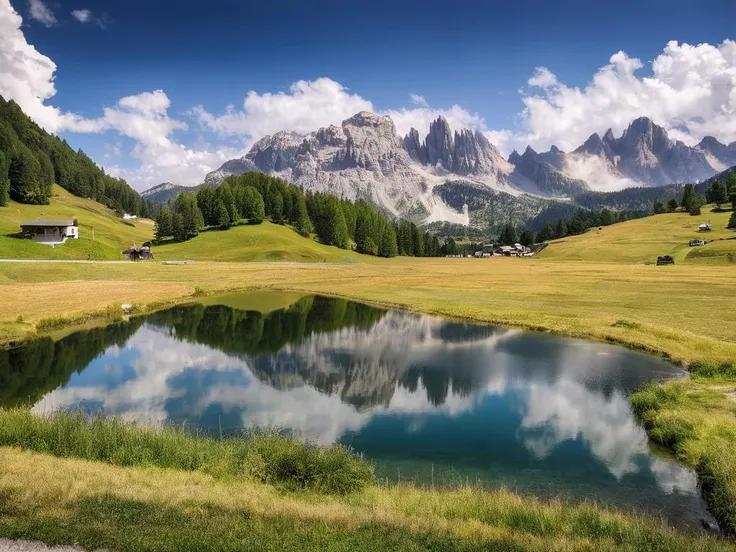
[
  {"x": 83, "y": 16},
  {"x": 416, "y": 99},
  {"x": 41, "y": 13},
  {"x": 307, "y": 106},
  {"x": 310, "y": 105},
  {"x": 691, "y": 92}
]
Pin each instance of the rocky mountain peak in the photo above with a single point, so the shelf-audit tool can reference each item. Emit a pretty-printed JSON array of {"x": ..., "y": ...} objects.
[
  {"x": 514, "y": 158},
  {"x": 608, "y": 137},
  {"x": 440, "y": 144}
]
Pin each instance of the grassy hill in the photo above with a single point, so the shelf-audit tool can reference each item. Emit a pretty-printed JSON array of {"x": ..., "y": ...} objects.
[
  {"x": 642, "y": 240},
  {"x": 111, "y": 233},
  {"x": 266, "y": 242}
]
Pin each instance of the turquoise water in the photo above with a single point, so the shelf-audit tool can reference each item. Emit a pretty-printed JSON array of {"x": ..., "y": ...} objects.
[{"x": 430, "y": 400}]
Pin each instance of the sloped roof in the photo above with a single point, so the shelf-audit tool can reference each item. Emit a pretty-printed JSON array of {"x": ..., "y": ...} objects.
[{"x": 48, "y": 223}]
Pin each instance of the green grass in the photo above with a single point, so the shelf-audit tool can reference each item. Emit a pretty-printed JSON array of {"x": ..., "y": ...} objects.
[
  {"x": 111, "y": 233},
  {"x": 643, "y": 240},
  {"x": 165, "y": 491},
  {"x": 266, "y": 242},
  {"x": 696, "y": 418},
  {"x": 266, "y": 457}
]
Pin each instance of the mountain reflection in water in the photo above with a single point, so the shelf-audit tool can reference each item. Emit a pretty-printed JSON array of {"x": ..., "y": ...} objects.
[{"x": 538, "y": 413}]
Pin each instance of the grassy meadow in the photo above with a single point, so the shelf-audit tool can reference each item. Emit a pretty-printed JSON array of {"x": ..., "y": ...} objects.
[
  {"x": 601, "y": 285},
  {"x": 643, "y": 240},
  {"x": 111, "y": 233}
]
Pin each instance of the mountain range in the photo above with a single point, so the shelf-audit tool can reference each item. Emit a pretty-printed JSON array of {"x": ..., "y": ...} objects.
[{"x": 460, "y": 176}]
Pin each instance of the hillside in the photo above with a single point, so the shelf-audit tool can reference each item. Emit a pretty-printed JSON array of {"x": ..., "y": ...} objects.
[
  {"x": 266, "y": 242},
  {"x": 642, "y": 240},
  {"x": 111, "y": 233},
  {"x": 32, "y": 160}
]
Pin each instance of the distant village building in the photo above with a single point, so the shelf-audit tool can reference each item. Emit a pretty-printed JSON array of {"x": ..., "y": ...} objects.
[
  {"x": 516, "y": 250},
  {"x": 697, "y": 243},
  {"x": 50, "y": 232},
  {"x": 126, "y": 216},
  {"x": 138, "y": 253},
  {"x": 706, "y": 227}
]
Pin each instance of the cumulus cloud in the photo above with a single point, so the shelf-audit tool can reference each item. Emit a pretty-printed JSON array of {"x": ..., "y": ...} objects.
[
  {"x": 691, "y": 92},
  {"x": 41, "y": 13},
  {"x": 83, "y": 16},
  {"x": 309, "y": 105}
]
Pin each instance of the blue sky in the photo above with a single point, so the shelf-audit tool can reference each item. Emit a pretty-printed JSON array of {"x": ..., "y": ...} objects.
[{"x": 478, "y": 56}]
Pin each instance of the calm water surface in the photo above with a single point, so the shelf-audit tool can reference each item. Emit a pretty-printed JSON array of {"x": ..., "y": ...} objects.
[{"x": 424, "y": 398}]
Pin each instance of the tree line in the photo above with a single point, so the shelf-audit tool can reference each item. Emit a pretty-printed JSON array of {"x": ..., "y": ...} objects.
[
  {"x": 720, "y": 192},
  {"x": 32, "y": 160},
  {"x": 253, "y": 197}
]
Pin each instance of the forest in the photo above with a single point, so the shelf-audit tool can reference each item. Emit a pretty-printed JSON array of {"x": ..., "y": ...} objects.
[
  {"x": 32, "y": 160},
  {"x": 253, "y": 197}
]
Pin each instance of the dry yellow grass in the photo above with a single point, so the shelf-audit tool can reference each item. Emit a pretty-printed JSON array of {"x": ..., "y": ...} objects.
[
  {"x": 54, "y": 497},
  {"x": 684, "y": 311}
]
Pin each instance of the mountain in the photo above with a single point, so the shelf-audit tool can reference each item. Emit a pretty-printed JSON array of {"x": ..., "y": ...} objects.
[
  {"x": 164, "y": 192},
  {"x": 720, "y": 156},
  {"x": 364, "y": 158},
  {"x": 647, "y": 155},
  {"x": 422, "y": 178},
  {"x": 544, "y": 173}
]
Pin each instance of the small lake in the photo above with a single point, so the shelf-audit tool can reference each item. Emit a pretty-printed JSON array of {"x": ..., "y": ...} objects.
[{"x": 426, "y": 399}]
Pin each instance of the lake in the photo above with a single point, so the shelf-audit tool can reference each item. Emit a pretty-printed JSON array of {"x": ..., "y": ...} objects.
[{"x": 435, "y": 401}]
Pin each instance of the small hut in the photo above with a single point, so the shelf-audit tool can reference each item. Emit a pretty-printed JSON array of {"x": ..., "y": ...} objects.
[{"x": 138, "y": 253}]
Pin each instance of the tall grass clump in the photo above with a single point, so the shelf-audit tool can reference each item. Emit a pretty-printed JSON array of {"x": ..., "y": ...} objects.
[
  {"x": 718, "y": 477},
  {"x": 713, "y": 369},
  {"x": 268, "y": 457}
]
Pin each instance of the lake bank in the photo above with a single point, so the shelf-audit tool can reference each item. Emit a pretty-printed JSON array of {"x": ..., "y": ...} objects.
[
  {"x": 678, "y": 312},
  {"x": 144, "y": 505}
]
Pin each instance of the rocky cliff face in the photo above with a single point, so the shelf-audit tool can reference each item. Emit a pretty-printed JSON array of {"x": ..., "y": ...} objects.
[
  {"x": 647, "y": 155},
  {"x": 720, "y": 156},
  {"x": 542, "y": 174},
  {"x": 364, "y": 158}
]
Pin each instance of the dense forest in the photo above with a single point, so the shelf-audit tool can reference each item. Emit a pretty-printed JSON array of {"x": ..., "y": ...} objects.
[
  {"x": 32, "y": 160},
  {"x": 253, "y": 197}
]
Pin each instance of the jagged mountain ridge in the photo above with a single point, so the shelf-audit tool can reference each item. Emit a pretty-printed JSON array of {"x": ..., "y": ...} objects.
[{"x": 364, "y": 158}]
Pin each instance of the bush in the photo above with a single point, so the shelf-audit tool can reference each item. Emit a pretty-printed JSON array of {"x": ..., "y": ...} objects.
[
  {"x": 732, "y": 221},
  {"x": 267, "y": 457},
  {"x": 713, "y": 369}
]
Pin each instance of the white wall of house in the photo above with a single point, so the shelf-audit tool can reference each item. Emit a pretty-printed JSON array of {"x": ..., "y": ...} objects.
[{"x": 55, "y": 235}]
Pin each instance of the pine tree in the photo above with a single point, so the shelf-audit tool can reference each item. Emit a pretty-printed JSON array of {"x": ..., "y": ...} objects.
[
  {"x": 253, "y": 206},
  {"x": 179, "y": 230},
  {"x": 717, "y": 193},
  {"x": 508, "y": 235},
  {"x": 417, "y": 241},
  {"x": 695, "y": 202},
  {"x": 388, "y": 247},
  {"x": 191, "y": 221},
  {"x": 671, "y": 205},
  {"x": 732, "y": 221},
  {"x": 561, "y": 229},
  {"x": 223, "y": 218},
  {"x": 275, "y": 205},
  {"x": 687, "y": 194},
  {"x": 526, "y": 237},
  {"x": 302, "y": 224},
  {"x": 164, "y": 224},
  {"x": 4, "y": 181},
  {"x": 25, "y": 178},
  {"x": 208, "y": 205},
  {"x": 657, "y": 207}
]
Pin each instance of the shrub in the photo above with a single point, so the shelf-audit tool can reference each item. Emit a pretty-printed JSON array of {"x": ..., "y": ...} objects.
[
  {"x": 713, "y": 369},
  {"x": 267, "y": 457}
]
